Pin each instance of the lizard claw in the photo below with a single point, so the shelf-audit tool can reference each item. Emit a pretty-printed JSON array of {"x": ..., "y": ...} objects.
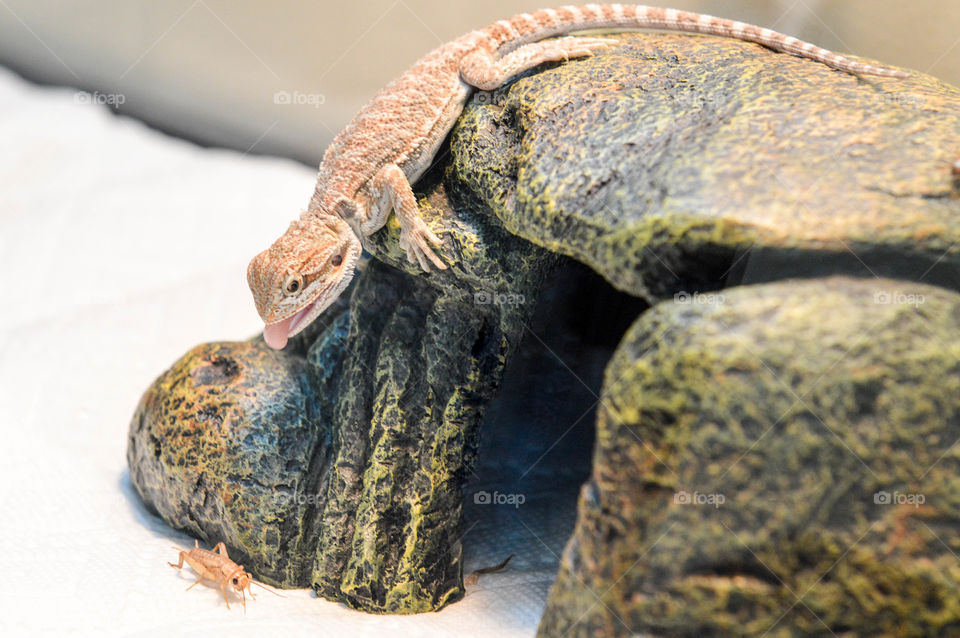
[{"x": 417, "y": 242}]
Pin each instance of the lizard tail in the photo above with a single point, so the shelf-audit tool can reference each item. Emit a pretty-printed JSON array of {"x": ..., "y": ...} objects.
[{"x": 530, "y": 27}]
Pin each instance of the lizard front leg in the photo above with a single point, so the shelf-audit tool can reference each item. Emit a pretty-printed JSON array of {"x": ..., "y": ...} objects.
[
  {"x": 487, "y": 72},
  {"x": 388, "y": 190}
]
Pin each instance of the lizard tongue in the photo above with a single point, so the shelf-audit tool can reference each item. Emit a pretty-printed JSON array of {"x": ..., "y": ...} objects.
[{"x": 275, "y": 334}]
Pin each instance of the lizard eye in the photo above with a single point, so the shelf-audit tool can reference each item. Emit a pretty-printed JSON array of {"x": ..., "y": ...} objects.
[
  {"x": 293, "y": 284},
  {"x": 337, "y": 260}
]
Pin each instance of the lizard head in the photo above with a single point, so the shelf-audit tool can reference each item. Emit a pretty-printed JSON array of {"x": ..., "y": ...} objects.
[{"x": 301, "y": 274}]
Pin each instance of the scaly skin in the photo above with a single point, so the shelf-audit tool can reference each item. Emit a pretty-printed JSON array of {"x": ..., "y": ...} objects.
[{"x": 368, "y": 169}]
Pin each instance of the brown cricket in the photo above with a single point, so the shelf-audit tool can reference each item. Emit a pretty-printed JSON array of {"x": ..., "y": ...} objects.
[{"x": 217, "y": 567}]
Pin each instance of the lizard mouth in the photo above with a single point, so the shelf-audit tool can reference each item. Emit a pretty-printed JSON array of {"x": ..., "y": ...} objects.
[{"x": 277, "y": 334}]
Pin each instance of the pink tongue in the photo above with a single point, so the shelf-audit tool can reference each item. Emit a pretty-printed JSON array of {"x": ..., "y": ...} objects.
[{"x": 275, "y": 334}]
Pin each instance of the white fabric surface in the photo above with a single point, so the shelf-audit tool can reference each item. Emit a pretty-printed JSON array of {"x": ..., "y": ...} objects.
[{"x": 120, "y": 248}]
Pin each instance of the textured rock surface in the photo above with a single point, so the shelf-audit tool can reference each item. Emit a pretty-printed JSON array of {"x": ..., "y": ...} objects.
[
  {"x": 222, "y": 446},
  {"x": 663, "y": 163},
  {"x": 230, "y": 443},
  {"x": 670, "y": 164},
  {"x": 338, "y": 463},
  {"x": 745, "y": 451}
]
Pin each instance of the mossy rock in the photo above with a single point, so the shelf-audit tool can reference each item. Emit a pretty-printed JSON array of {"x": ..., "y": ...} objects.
[
  {"x": 681, "y": 163},
  {"x": 223, "y": 446},
  {"x": 777, "y": 461},
  {"x": 338, "y": 462},
  {"x": 671, "y": 165}
]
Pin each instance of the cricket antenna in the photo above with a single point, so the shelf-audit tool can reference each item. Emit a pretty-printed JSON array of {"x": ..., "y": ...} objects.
[{"x": 275, "y": 593}]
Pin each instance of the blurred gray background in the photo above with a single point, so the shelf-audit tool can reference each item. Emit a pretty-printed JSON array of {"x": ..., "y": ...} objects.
[{"x": 283, "y": 77}]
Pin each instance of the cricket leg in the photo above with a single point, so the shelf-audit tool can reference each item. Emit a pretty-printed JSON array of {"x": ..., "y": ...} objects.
[{"x": 180, "y": 564}]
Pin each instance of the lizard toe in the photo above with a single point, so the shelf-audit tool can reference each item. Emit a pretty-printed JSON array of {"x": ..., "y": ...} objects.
[
  {"x": 417, "y": 245},
  {"x": 424, "y": 264}
]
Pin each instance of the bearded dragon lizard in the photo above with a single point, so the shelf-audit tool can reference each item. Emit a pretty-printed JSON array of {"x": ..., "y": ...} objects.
[{"x": 368, "y": 169}]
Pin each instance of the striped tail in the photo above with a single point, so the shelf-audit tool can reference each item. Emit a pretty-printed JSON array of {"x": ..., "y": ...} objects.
[{"x": 530, "y": 27}]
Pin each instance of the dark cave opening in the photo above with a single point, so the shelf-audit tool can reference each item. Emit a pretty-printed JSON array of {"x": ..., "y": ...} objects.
[{"x": 536, "y": 440}]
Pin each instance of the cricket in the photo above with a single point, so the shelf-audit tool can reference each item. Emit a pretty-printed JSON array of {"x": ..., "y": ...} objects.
[{"x": 216, "y": 566}]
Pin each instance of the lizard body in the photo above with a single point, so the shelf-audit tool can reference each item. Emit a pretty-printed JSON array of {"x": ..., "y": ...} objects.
[{"x": 368, "y": 169}]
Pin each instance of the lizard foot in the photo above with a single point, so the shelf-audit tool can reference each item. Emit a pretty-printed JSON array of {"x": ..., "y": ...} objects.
[
  {"x": 577, "y": 47},
  {"x": 416, "y": 241},
  {"x": 484, "y": 71}
]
